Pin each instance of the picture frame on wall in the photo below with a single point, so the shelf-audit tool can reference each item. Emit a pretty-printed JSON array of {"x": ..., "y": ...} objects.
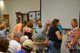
[
  {"x": 34, "y": 16},
  {"x": 25, "y": 17},
  {"x": 22, "y": 16},
  {"x": 38, "y": 16},
  {"x": 19, "y": 15}
]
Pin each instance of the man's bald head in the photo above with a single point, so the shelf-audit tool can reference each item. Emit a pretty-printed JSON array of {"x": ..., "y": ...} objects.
[{"x": 39, "y": 24}]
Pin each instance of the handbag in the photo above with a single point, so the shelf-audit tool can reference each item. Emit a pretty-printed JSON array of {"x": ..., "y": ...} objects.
[{"x": 57, "y": 45}]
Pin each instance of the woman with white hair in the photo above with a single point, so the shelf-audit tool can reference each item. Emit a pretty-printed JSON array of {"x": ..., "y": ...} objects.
[{"x": 23, "y": 38}]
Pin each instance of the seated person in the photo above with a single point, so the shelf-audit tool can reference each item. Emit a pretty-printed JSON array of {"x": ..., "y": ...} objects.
[
  {"x": 4, "y": 43},
  {"x": 2, "y": 31},
  {"x": 27, "y": 47},
  {"x": 23, "y": 38},
  {"x": 14, "y": 44}
]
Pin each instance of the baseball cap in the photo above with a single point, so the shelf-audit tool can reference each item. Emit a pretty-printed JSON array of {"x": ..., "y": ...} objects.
[{"x": 28, "y": 44}]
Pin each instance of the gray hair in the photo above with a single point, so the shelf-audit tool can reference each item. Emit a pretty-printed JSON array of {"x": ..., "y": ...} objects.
[
  {"x": 23, "y": 38},
  {"x": 17, "y": 34}
]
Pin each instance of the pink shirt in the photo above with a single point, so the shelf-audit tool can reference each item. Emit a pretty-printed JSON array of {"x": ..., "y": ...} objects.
[
  {"x": 17, "y": 28},
  {"x": 70, "y": 37}
]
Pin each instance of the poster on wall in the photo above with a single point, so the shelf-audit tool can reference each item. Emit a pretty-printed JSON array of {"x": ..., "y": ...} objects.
[
  {"x": 25, "y": 18},
  {"x": 32, "y": 17},
  {"x": 19, "y": 16},
  {"x": 38, "y": 15}
]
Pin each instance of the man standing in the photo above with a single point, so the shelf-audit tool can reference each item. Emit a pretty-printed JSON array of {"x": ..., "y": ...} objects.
[
  {"x": 40, "y": 37},
  {"x": 39, "y": 30}
]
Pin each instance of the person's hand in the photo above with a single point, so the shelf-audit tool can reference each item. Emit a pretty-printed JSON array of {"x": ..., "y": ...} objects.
[
  {"x": 33, "y": 42},
  {"x": 46, "y": 42},
  {"x": 46, "y": 33}
]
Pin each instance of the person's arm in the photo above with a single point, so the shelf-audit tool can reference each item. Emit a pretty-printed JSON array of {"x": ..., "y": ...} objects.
[
  {"x": 19, "y": 28},
  {"x": 35, "y": 29},
  {"x": 45, "y": 30},
  {"x": 24, "y": 29},
  {"x": 58, "y": 35},
  {"x": 75, "y": 40},
  {"x": 12, "y": 34},
  {"x": 46, "y": 41}
]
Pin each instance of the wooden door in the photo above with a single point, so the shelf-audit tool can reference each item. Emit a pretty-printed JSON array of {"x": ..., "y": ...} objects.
[
  {"x": 6, "y": 18},
  {"x": 79, "y": 19}
]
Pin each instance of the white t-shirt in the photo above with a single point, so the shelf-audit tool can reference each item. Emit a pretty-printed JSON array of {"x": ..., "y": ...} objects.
[{"x": 13, "y": 46}]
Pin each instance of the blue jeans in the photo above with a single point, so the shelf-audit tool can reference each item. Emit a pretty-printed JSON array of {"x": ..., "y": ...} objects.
[{"x": 52, "y": 49}]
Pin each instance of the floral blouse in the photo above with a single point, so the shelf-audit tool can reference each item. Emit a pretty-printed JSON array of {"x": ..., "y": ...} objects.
[{"x": 70, "y": 37}]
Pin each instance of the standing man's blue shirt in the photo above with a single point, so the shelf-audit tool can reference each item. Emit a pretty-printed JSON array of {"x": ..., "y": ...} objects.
[{"x": 40, "y": 32}]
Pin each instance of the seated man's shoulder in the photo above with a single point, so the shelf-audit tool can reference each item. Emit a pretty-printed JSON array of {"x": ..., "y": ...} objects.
[{"x": 15, "y": 42}]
